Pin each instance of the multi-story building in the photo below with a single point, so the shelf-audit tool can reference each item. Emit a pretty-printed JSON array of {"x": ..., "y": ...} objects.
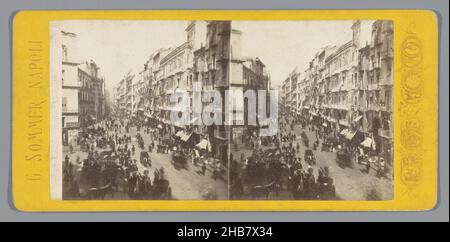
[
  {"x": 213, "y": 63},
  {"x": 176, "y": 75},
  {"x": 219, "y": 65},
  {"x": 342, "y": 66},
  {"x": 302, "y": 89},
  {"x": 120, "y": 96},
  {"x": 294, "y": 76},
  {"x": 83, "y": 88},
  {"x": 376, "y": 78},
  {"x": 349, "y": 87},
  {"x": 139, "y": 89},
  {"x": 211, "y": 56},
  {"x": 91, "y": 94},
  {"x": 153, "y": 75},
  {"x": 287, "y": 91},
  {"x": 123, "y": 94}
]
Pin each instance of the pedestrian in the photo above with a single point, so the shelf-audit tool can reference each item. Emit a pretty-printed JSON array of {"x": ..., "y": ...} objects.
[
  {"x": 66, "y": 159},
  {"x": 381, "y": 168},
  {"x": 204, "y": 167},
  {"x": 310, "y": 183},
  {"x": 367, "y": 164}
]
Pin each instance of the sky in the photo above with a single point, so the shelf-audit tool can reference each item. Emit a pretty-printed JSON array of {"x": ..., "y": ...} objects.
[
  {"x": 285, "y": 45},
  {"x": 118, "y": 46}
]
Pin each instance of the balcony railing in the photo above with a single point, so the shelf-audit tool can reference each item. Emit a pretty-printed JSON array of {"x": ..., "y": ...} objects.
[
  {"x": 69, "y": 110},
  {"x": 386, "y": 133}
]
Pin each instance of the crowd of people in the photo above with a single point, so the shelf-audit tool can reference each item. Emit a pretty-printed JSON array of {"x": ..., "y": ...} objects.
[
  {"x": 109, "y": 168},
  {"x": 112, "y": 167},
  {"x": 275, "y": 165}
]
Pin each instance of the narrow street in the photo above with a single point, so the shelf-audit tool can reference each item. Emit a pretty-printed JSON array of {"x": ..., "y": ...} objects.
[
  {"x": 187, "y": 183},
  {"x": 343, "y": 89},
  {"x": 351, "y": 183}
]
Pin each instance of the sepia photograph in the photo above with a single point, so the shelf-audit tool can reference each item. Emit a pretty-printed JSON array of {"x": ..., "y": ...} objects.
[{"x": 221, "y": 110}]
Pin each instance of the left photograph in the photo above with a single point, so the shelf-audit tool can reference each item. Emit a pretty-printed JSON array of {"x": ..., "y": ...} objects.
[{"x": 111, "y": 90}]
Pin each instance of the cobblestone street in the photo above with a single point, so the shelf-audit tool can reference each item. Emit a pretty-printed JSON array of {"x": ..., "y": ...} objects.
[
  {"x": 187, "y": 183},
  {"x": 352, "y": 183}
]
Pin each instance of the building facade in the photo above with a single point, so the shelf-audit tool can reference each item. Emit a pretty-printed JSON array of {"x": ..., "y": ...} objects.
[
  {"x": 348, "y": 88},
  {"x": 83, "y": 88},
  {"x": 211, "y": 56}
]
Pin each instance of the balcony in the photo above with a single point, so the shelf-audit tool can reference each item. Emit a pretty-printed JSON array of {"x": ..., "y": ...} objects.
[
  {"x": 386, "y": 133},
  {"x": 387, "y": 54},
  {"x": 387, "y": 80},
  {"x": 71, "y": 125},
  {"x": 339, "y": 106},
  {"x": 221, "y": 134},
  {"x": 66, "y": 110},
  {"x": 376, "y": 65},
  {"x": 379, "y": 107},
  {"x": 373, "y": 86}
]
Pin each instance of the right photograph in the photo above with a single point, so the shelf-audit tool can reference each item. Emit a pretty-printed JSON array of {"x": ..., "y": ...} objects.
[{"x": 330, "y": 85}]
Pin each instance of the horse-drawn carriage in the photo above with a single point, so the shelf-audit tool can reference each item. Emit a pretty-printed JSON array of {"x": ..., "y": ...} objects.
[
  {"x": 161, "y": 186},
  {"x": 329, "y": 143},
  {"x": 179, "y": 159},
  {"x": 145, "y": 159},
  {"x": 102, "y": 143},
  {"x": 267, "y": 141},
  {"x": 305, "y": 139},
  {"x": 140, "y": 140},
  {"x": 325, "y": 185},
  {"x": 163, "y": 146},
  {"x": 106, "y": 154},
  {"x": 272, "y": 153},
  {"x": 304, "y": 186},
  {"x": 343, "y": 157},
  {"x": 326, "y": 146},
  {"x": 310, "y": 158}
]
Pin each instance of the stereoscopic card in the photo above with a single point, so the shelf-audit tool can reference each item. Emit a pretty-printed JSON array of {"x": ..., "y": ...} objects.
[{"x": 225, "y": 110}]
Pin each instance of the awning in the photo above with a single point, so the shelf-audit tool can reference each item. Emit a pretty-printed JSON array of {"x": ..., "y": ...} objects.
[
  {"x": 185, "y": 137},
  {"x": 368, "y": 143},
  {"x": 176, "y": 109},
  {"x": 357, "y": 118},
  {"x": 178, "y": 124},
  {"x": 343, "y": 122},
  {"x": 344, "y": 132},
  {"x": 204, "y": 144},
  {"x": 350, "y": 134},
  {"x": 194, "y": 120}
]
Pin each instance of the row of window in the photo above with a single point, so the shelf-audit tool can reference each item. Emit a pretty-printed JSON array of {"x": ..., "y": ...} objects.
[
  {"x": 176, "y": 63},
  {"x": 343, "y": 60},
  {"x": 375, "y": 97}
]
